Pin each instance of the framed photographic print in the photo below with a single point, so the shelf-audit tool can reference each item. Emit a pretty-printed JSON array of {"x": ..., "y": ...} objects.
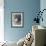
[{"x": 17, "y": 19}]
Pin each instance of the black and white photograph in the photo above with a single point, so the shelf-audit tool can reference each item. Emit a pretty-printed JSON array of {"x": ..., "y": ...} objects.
[{"x": 17, "y": 19}]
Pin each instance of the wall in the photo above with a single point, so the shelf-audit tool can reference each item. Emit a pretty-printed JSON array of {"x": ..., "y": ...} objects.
[
  {"x": 29, "y": 7},
  {"x": 43, "y": 6}
]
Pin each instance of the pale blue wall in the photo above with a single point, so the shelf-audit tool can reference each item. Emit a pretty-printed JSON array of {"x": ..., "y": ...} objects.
[
  {"x": 29, "y": 7},
  {"x": 43, "y": 6}
]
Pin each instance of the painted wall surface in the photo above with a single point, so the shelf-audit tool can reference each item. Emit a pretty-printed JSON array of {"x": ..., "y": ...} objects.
[
  {"x": 29, "y": 7},
  {"x": 43, "y": 6}
]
